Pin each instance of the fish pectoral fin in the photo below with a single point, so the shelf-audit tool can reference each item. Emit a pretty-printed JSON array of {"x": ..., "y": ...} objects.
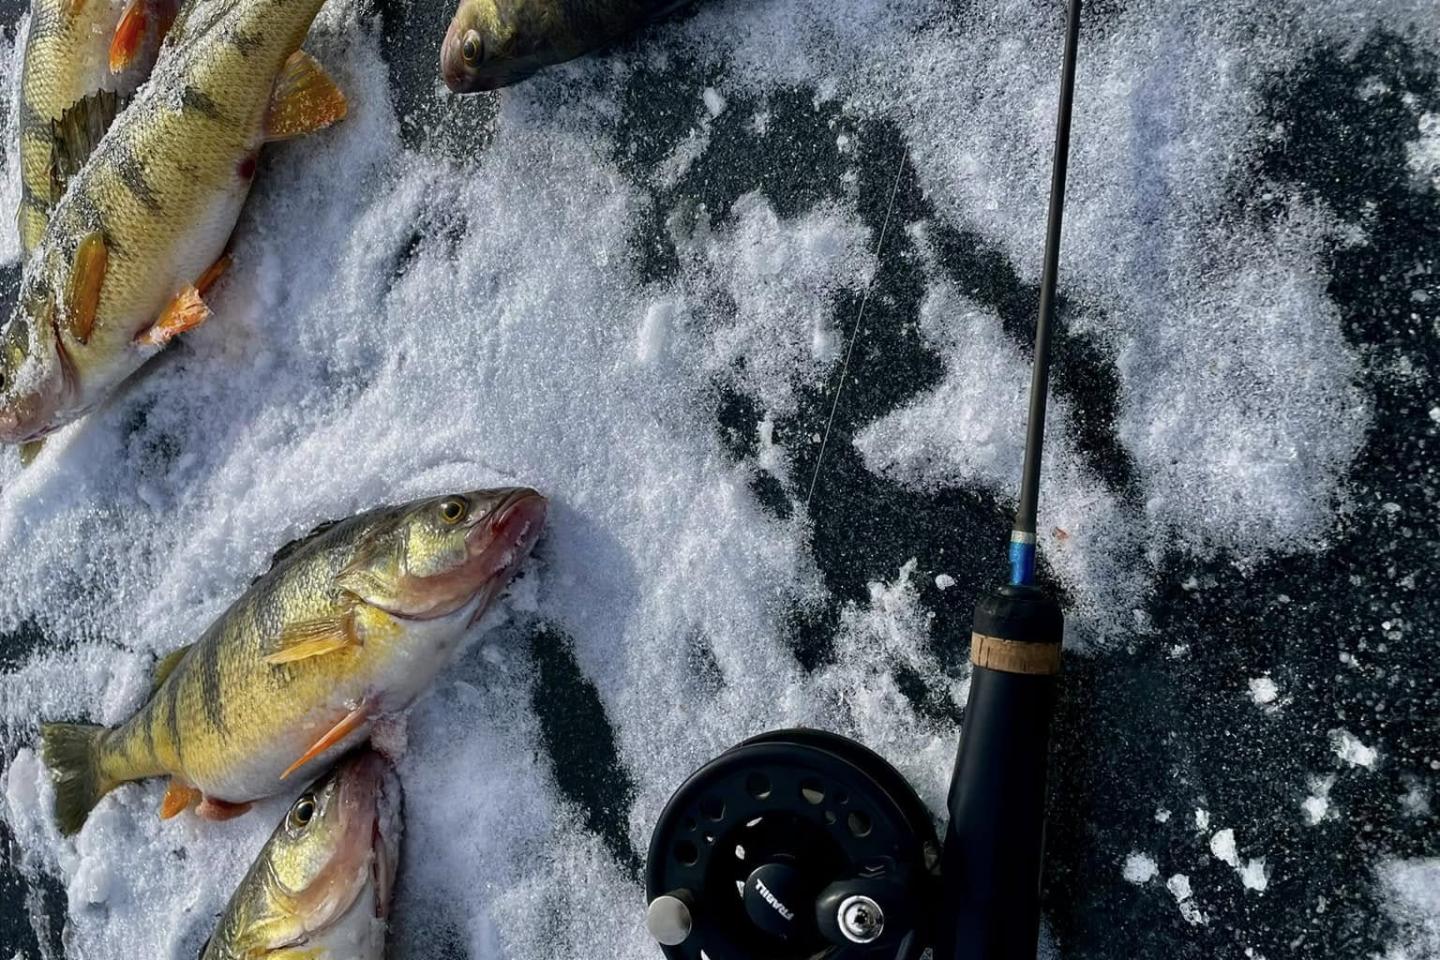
[
  {"x": 314, "y": 638},
  {"x": 179, "y": 797},
  {"x": 129, "y": 35},
  {"x": 30, "y": 450},
  {"x": 351, "y": 722},
  {"x": 304, "y": 100},
  {"x": 219, "y": 810},
  {"x": 186, "y": 312},
  {"x": 87, "y": 276}
]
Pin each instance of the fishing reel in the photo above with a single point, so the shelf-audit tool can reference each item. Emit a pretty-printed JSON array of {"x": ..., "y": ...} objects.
[
  {"x": 802, "y": 844},
  {"x": 793, "y": 845}
]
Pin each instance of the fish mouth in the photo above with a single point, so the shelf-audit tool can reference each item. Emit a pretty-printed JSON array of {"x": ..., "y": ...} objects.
[
  {"x": 44, "y": 407},
  {"x": 20, "y": 426},
  {"x": 35, "y": 415},
  {"x": 370, "y": 792},
  {"x": 504, "y": 536},
  {"x": 452, "y": 64},
  {"x": 500, "y": 542},
  {"x": 366, "y": 845},
  {"x": 498, "y": 535}
]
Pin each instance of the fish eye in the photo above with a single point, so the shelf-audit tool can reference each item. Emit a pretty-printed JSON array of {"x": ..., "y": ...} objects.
[
  {"x": 303, "y": 811},
  {"x": 472, "y": 48},
  {"x": 453, "y": 510}
]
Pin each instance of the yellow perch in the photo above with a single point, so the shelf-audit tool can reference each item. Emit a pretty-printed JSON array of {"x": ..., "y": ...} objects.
[
  {"x": 83, "y": 61},
  {"x": 494, "y": 43},
  {"x": 139, "y": 233},
  {"x": 346, "y": 629},
  {"x": 320, "y": 888}
]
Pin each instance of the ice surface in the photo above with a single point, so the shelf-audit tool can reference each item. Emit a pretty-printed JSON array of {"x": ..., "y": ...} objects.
[
  {"x": 402, "y": 322},
  {"x": 970, "y": 431}
]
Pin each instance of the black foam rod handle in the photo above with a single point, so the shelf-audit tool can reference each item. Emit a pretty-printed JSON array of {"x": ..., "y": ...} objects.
[{"x": 990, "y": 867}]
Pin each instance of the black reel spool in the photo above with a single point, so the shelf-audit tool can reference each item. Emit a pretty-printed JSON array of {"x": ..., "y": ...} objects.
[{"x": 793, "y": 845}]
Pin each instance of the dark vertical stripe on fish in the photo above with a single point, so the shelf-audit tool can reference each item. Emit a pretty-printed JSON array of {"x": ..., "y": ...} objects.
[
  {"x": 208, "y": 664},
  {"x": 243, "y": 42},
  {"x": 32, "y": 122},
  {"x": 28, "y": 199},
  {"x": 132, "y": 174},
  {"x": 195, "y": 99},
  {"x": 149, "y": 726},
  {"x": 87, "y": 214},
  {"x": 171, "y": 692}
]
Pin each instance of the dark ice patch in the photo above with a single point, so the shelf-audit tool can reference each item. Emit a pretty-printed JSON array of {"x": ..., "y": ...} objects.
[
  {"x": 1347, "y": 632},
  {"x": 580, "y": 741}
]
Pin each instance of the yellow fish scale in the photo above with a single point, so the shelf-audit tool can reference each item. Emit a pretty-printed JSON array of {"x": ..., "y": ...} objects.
[
  {"x": 66, "y": 60},
  {"x": 227, "y": 721}
]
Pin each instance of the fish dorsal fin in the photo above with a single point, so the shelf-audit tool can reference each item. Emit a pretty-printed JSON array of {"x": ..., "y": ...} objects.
[
  {"x": 166, "y": 665},
  {"x": 304, "y": 100},
  {"x": 75, "y": 135},
  {"x": 290, "y": 549}
]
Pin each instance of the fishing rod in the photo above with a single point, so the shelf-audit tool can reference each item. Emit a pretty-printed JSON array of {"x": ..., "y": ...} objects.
[
  {"x": 994, "y": 844},
  {"x": 801, "y": 843}
]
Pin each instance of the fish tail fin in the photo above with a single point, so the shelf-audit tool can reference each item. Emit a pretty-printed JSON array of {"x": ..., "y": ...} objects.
[{"x": 72, "y": 752}]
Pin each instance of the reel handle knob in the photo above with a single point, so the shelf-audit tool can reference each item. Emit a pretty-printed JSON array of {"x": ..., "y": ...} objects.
[{"x": 670, "y": 917}]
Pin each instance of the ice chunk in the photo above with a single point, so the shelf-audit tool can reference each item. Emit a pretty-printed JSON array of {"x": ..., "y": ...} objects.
[
  {"x": 1139, "y": 868},
  {"x": 1263, "y": 691},
  {"x": 1222, "y": 845},
  {"x": 1349, "y": 748},
  {"x": 714, "y": 101}
]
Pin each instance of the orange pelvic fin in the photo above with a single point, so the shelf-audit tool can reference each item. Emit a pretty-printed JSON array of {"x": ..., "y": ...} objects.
[
  {"x": 179, "y": 797},
  {"x": 352, "y": 721},
  {"x": 218, "y": 810},
  {"x": 186, "y": 312}
]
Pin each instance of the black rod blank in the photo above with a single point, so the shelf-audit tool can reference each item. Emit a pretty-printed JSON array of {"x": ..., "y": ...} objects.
[{"x": 1040, "y": 373}]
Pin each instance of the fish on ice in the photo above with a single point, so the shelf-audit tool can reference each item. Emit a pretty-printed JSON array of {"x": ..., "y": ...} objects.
[
  {"x": 494, "y": 43},
  {"x": 321, "y": 885},
  {"x": 140, "y": 233},
  {"x": 348, "y": 627}
]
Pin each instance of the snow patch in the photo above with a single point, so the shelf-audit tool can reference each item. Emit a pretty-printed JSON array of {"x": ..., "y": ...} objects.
[
  {"x": 1139, "y": 868},
  {"x": 1349, "y": 748},
  {"x": 1411, "y": 890}
]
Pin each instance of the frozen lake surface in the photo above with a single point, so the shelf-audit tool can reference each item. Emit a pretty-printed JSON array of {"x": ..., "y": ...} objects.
[{"x": 631, "y": 283}]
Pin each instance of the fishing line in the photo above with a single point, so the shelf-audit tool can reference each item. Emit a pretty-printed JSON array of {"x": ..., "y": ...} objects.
[{"x": 859, "y": 321}]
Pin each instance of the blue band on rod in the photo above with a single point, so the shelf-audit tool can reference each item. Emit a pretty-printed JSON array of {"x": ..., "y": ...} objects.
[{"x": 1022, "y": 563}]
